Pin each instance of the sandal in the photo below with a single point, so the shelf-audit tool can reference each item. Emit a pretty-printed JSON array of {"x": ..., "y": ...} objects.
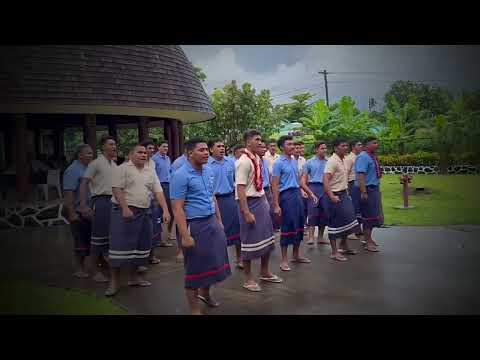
[
  {"x": 252, "y": 287},
  {"x": 209, "y": 301},
  {"x": 285, "y": 268},
  {"x": 272, "y": 279},
  {"x": 323, "y": 242},
  {"x": 371, "y": 249},
  {"x": 348, "y": 251},
  {"x": 141, "y": 283},
  {"x": 111, "y": 292},
  {"x": 154, "y": 261},
  {"x": 301, "y": 261},
  {"x": 240, "y": 266},
  {"x": 338, "y": 258},
  {"x": 310, "y": 242}
]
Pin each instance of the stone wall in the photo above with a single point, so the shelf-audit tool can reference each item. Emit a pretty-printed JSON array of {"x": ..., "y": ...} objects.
[{"x": 454, "y": 169}]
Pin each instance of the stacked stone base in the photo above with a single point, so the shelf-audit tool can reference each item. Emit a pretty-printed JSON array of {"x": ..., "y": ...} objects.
[{"x": 430, "y": 170}]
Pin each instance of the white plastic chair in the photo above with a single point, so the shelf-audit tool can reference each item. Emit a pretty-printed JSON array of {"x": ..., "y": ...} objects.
[{"x": 53, "y": 180}]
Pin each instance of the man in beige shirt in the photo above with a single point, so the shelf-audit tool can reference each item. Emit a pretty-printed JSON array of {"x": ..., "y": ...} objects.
[
  {"x": 133, "y": 186},
  {"x": 356, "y": 149},
  {"x": 256, "y": 229},
  {"x": 341, "y": 215},
  {"x": 99, "y": 177},
  {"x": 154, "y": 207},
  {"x": 271, "y": 155}
]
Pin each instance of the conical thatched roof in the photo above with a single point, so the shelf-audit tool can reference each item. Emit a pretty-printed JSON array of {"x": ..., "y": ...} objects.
[{"x": 141, "y": 80}]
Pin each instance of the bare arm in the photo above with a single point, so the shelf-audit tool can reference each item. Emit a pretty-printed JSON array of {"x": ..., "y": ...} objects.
[
  {"x": 181, "y": 220},
  {"x": 217, "y": 211},
  {"x": 304, "y": 186},
  {"x": 69, "y": 202},
  {"x": 363, "y": 188},
  {"x": 83, "y": 194},
  {"x": 242, "y": 199},
  {"x": 163, "y": 204},
  {"x": 276, "y": 194},
  {"x": 120, "y": 197},
  {"x": 326, "y": 187}
]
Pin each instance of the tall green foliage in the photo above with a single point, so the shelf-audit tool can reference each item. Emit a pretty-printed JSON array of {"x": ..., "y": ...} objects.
[
  {"x": 237, "y": 109},
  {"x": 322, "y": 123}
]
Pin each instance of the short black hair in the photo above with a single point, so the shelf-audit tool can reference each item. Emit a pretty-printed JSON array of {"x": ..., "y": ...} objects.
[
  {"x": 192, "y": 143},
  {"x": 237, "y": 147},
  {"x": 80, "y": 148},
  {"x": 282, "y": 139},
  {"x": 271, "y": 141},
  {"x": 105, "y": 138},
  {"x": 354, "y": 142},
  {"x": 369, "y": 138},
  {"x": 318, "y": 143},
  {"x": 339, "y": 141},
  {"x": 250, "y": 134},
  {"x": 162, "y": 141},
  {"x": 213, "y": 142},
  {"x": 147, "y": 142},
  {"x": 299, "y": 143}
]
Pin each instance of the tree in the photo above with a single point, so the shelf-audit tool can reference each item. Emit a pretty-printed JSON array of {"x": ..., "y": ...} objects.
[
  {"x": 402, "y": 121},
  {"x": 432, "y": 100},
  {"x": 299, "y": 107},
  {"x": 200, "y": 74},
  {"x": 237, "y": 110},
  {"x": 345, "y": 121}
]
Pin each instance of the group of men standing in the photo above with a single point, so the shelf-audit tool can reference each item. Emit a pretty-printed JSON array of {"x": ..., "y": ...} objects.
[{"x": 217, "y": 201}]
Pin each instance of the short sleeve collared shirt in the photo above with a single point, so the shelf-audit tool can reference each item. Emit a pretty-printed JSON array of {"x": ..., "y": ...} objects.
[
  {"x": 337, "y": 167},
  {"x": 138, "y": 185},
  {"x": 100, "y": 171}
]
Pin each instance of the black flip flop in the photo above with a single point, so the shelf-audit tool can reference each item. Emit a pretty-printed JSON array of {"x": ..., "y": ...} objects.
[{"x": 209, "y": 301}]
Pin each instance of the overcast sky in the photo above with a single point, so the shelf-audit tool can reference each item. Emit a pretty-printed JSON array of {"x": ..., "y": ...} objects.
[{"x": 358, "y": 71}]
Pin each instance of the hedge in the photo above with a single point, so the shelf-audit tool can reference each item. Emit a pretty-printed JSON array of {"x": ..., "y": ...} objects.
[{"x": 426, "y": 159}]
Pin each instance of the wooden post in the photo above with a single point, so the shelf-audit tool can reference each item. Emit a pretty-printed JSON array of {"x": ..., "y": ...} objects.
[
  {"x": 112, "y": 128},
  {"x": 142, "y": 128},
  {"x": 167, "y": 133},
  {"x": 175, "y": 140},
  {"x": 21, "y": 165},
  {"x": 90, "y": 132},
  {"x": 405, "y": 194},
  {"x": 37, "y": 143},
  {"x": 59, "y": 146},
  {"x": 181, "y": 140}
]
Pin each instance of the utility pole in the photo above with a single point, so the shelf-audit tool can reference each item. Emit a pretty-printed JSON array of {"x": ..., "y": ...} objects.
[{"x": 324, "y": 72}]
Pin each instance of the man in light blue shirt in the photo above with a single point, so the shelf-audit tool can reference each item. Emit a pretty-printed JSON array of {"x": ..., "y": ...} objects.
[
  {"x": 200, "y": 225},
  {"x": 163, "y": 169},
  {"x": 288, "y": 202},
  {"x": 312, "y": 183},
  {"x": 79, "y": 226},
  {"x": 223, "y": 170},
  {"x": 368, "y": 174}
]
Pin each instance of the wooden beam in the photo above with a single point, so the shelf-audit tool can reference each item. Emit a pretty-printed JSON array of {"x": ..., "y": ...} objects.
[
  {"x": 142, "y": 128},
  {"x": 90, "y": 132},
  {"x": 22, "y": 168}
]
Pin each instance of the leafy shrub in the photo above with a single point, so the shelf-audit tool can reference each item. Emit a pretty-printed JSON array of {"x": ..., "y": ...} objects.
[{"x": 427, "y": 159}]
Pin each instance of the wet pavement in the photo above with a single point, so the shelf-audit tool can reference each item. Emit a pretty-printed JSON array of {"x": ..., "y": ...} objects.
[{"x": 420, "y": 270}]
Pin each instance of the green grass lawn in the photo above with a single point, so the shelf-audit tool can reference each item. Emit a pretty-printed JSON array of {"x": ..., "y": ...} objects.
[
  {"x": 25, "y": 298},
  {"x": 455, "y": 200}
]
